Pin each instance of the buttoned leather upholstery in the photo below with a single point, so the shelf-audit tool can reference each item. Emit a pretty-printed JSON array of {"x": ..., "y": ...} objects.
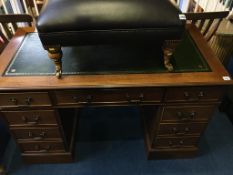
[{"x": 78, "y": 22}]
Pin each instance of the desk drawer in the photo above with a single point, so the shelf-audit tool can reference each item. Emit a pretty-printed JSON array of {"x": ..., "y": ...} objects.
[
  {"x": 109, "y": 96},
  {"x": 175, "y": 142},
  {"x": 181, "y": 129},
  {"x": 42, "y": 147},
  {"x": 31, "y": 118},
  {"x": 193, "y": 94},
  {"x": 187, "y": 113},
  {"x": 24, "y": 99},
  {"x": 36, "y": 133}
]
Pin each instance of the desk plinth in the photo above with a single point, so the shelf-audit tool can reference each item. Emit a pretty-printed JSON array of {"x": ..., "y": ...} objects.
[{"x": 175, "y": 107}]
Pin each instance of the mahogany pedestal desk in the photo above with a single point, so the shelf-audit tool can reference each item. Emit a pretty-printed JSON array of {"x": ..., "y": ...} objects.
[{"x": 175, "y": 107}]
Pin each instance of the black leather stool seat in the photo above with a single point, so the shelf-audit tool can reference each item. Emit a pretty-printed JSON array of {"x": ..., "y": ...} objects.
[
  {"x": 78, "y": 22},
  {"x": 88, "y": 22}
]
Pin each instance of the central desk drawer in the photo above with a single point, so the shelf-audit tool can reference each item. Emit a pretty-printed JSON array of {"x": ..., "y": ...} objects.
[
  {"x": 30, "y": 118},
  {"x": 24, "y": 99},
  {"x": 138, "y": 95},
  {"x": 42, "y": 147},
  {"x": 36, "y": 133}
]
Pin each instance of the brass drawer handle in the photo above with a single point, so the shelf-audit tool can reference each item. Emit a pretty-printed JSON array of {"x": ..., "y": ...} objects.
[
  {"x": 180, "y": 143},
  {"x": 139, "y": 100},
  {"x": 28, "y": 101},
  {"x": 186, "y": 129},
  {"x": 128, "y": 98},
  {"x": 38, "y": 149},
  {"x": 14, "y": 101},
  {"x": 40, "y": 137},
  {"x": 75, "y": 98},
  {"x": 186, "y": 116},
  {"x": 88, "y": 99},
  {"x": 174, "y": 129},
  {"x": 177, "y": 132},
  {"x": 141, "y": 97},
  {"x": 190, "y": 98},
  {"x": 34, "y": 120},
  {"x": 201, "y": 94}
]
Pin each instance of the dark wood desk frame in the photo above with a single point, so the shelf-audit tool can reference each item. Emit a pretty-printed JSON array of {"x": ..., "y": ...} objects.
[{"x": 176, "y": 107}]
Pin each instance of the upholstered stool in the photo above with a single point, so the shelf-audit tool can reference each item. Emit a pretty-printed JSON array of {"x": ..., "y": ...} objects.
[{"x": 89, "y": 22}]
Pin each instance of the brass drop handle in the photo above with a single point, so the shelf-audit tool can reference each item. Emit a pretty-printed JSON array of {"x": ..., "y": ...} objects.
[
  {"x": 45, "y": 150},
  {"x": 180, "y": 143},
  {"x": 190, "y": 98},
  {"x": 40, "y": 137},
  {"x": 75, "y": 98},
  {"x": 186, "y": 94},
  {"x": 170, "y": 143},
  {"x": 89, "y": 98},
  {"x": 186, "y": 129},
  {"x": 128, "y": 98},
  {"x": 177, "y": 132},
  {"x": 174, "y": 129},
  {"x": 192, "y": 115},
  {"x": 28, "y": 100},
  {"x": 141, "y": 97},
  {"x": 34, "y": 119},
  {"x": 201, "y": 94},
  {"x": 186, "y": 116},
  {"x": 14, "y": 101},
  {"x": 180, "y": 115}
]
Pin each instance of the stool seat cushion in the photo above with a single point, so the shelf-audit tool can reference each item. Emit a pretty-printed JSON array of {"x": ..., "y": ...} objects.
[{"x": 74, "y": 22}]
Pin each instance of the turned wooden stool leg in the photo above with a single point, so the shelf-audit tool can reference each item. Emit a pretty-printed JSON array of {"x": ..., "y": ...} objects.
[
  {"x": 55, "y": 53},
  {"x": 169, "y": 47},
  {"x": 2, "y": 170},
  {"x": 167, "y": 54}
]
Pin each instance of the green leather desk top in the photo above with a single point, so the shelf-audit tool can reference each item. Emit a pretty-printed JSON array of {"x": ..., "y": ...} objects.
[{"x": 31, "y": 59}]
